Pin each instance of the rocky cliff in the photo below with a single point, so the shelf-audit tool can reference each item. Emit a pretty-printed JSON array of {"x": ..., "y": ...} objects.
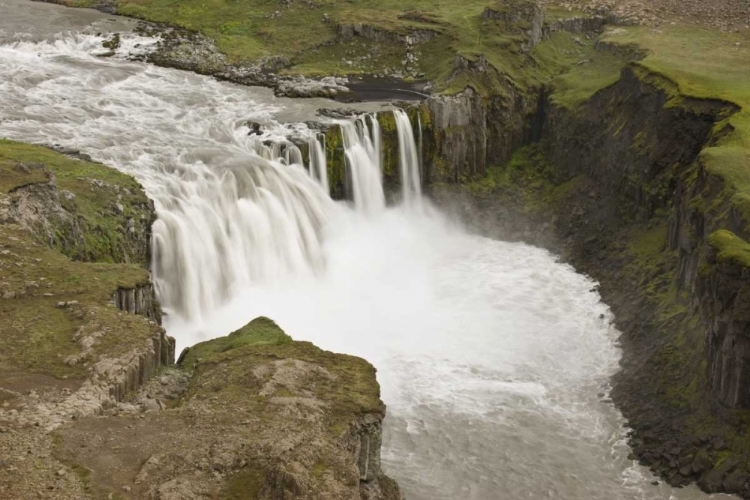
[
  {"x": 620, "y": 187},
  {"x": 73, "y": 235},
  {"x": 250, "y": 415}
]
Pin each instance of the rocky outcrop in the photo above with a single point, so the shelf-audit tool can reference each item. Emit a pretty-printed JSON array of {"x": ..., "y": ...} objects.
[
  {"x": 329, "y": 87},
  {"x": 577, "y": 25},
  {"x": 51, "y": 210},
  {"x": 412, "y": 37},
  {"x": 262, "y": 416},
  {"x": 191, "y": 51},
  {"x": 138, "y": 300},
  {"x": 67, "y": 353},
  {"x": 519, "y": 16}
]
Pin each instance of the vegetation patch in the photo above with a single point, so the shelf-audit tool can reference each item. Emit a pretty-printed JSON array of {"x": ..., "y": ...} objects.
[
  {"x": 730, "y": 248},
  {"x": 47, "y": 301}
]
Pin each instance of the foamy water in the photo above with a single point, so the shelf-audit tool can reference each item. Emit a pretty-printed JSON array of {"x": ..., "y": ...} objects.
[{"x": 493, "y": 358}]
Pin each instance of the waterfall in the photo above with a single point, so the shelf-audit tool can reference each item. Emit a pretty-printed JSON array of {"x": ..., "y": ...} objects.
[
  {"x": 318, "y": 166},
  {"x": 362, "y": 149},
  {"x": 420, "y": 145},
  {"x": 293, "y": 155},
  {"x": 247, "y": 220},
  {"x": 411, "y": 184},
  {"x": 489, "y": 354}
]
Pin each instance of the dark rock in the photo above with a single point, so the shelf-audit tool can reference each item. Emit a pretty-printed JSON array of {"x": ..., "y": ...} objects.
[
  {"x": 718, "y": 444},
  {"x": 736, "y": 481},
  {"x": 712, "y": 481},
  {"x": 254, "y": 127}
]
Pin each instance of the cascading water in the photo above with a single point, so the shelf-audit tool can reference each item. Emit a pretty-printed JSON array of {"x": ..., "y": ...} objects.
[
  {"x": 318, "y": 165},
  {"x": 362, "y": 148},
  {"x": 411, "y": 183},
  {"x": 491, "y": 355}
]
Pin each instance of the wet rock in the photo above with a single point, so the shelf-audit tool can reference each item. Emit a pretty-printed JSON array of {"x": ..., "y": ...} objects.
[
  {"x": 304, "y": 87},
  {"x": 112, "y": 43},
  {"x": 736, "y": 482},
  {"x": 255, "y": 128}
]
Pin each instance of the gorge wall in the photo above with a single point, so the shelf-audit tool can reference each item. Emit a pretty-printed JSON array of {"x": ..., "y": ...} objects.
[{"x": 618, "y": 187}]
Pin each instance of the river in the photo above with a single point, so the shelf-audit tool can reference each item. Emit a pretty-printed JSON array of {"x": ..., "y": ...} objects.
[{"x": 494, "y": 358}]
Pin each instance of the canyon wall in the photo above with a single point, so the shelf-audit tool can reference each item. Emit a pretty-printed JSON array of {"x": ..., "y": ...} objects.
[{"x": 618, "y": 187}]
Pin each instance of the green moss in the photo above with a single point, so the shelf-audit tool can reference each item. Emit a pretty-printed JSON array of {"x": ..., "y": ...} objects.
[
  {"x": 35, "y": 334},
  {"x": 335, "y": 161},
  {"x": 730, "y": 248},
  {"x": 391, "y": 159},
  {"x": 98, "y": 191},
  {"x": 224, "y": 369},
  {"x": 529, "y": 177},
  {"x": 260, "y": 331}
]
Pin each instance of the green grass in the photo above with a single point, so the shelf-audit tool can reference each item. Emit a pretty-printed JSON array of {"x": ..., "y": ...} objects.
[
  {"x": 250, "y": 30},
  {"x": 35, "y": 334},
  {"x": 586, "y": 77}
]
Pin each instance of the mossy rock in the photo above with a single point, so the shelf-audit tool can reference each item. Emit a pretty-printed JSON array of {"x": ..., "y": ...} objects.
[{"x": 47, "y": 300}]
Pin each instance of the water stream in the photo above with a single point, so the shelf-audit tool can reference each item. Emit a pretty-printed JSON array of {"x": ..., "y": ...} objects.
[{"x": 493, "y": 358}]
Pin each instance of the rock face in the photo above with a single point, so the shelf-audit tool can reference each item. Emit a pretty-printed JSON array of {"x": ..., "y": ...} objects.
[
  {"x": 466, "y": 132},
  {"x": 66, "y": 351},
  {"x": 413, "y": 37},
  {"x": 459, "y": 127},
  {"x": 139, "y": 300},
  {"x": 619, "y": 187},
  {"x": 723, "y": 287},
  {"x": 50, "y": 209},
  {"x": 261, "y": 417},
  {"x": 519, "y": 16}
]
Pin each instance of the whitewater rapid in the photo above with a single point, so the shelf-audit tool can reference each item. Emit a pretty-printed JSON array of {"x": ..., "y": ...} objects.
[{"x": 493, "y": 358}]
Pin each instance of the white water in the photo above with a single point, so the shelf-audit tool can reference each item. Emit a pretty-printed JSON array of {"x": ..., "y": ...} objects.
[
  {"x": 318, "y": 166},
  {"x": 411, "y": 184},
  {"x": 362, "y": 146},
  {"x": 491, "y": 355}
]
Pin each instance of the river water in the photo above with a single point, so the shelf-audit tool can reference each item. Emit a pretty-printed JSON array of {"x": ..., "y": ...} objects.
[{"x": 494, "y": 359}]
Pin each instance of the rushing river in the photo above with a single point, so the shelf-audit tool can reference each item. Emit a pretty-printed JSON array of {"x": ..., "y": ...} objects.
[{"x": 493, "y": 358}]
